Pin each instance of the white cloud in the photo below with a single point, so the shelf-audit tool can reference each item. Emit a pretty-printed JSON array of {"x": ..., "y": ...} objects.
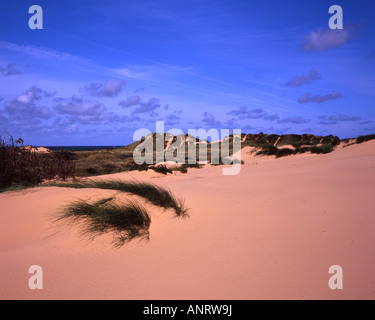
[{"x": 326, "y": 39}]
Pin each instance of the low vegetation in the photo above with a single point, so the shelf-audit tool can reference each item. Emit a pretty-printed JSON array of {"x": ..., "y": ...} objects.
[
  {"x": 21, "y": 167},
  {"x": 325, "y": 148},
  {"x": 154, "y": 194},
  {"x": 283, "y": 152},
  {"x": 125, "y": 221},
  {"x": 362, "y": 139},
  {"x": 161, "y": 168}
]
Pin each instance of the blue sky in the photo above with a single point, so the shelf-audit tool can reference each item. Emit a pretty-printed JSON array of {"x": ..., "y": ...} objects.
[{"x": 99, "y": 70}]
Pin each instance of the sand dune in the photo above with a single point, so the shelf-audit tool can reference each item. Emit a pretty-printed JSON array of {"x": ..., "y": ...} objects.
[
  {"x": 37, "y": 149},
  {"x": 271, "y": 232}
]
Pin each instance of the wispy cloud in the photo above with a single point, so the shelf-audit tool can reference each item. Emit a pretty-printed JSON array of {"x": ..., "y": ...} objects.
[
  {"x": 341, "y": 117},
  {"x": 244, "y": 113},
  {"x": 365, "y": 122},
  {"x": 306, "y": 98},
  {"x": 294, "y": 120},
  {"x": 187, "y": 71},
  {"x": 298, "y": 81},
  {"x": 143, "y": 72},
  {"x": 10, "y": 69},
  {"x": 42, "y": 53},
  {"x": 333, "y": 119}
]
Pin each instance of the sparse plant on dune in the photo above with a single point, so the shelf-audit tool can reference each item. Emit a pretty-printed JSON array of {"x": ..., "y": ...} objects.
[
  {"x": 155, "y": 194},
  {"x": 126, "y": 221},
  {"x": 161, "y": 168}
]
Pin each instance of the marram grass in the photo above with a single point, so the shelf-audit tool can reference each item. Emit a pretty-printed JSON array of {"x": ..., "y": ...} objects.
[
  {"x": 126, "y": 221},
  {"x": 154, "y": 194}
]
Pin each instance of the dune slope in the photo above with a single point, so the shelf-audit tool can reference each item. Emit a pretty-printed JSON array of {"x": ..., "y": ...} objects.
[{"x": 271, "y": 232}]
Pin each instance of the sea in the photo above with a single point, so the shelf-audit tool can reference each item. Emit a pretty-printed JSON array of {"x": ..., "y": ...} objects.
[{"x": 81, "y": 148}]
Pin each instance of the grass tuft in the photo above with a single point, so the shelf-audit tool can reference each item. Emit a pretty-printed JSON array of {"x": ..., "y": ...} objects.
[
  {"x": 155, "y": 194},
  {"x": 125, "y": 221}
]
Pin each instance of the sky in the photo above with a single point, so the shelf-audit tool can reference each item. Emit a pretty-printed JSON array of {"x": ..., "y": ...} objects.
[{"x": 100, "y": 70}]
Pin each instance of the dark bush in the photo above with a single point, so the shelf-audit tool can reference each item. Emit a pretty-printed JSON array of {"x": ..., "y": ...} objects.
[
  {"x": 303, "y": 149},
  {"x": 92, "y": 171},
  {"x": 362, "y": 139},
  {"x": 325, "y": 148},
  {"x": 331, "y": 140},
  {"x": 285, "y": 152},
  {"x": 142, "y": 168},
  {"x": 267, "y": 151},
  {"x": 183, "y": 168},
  {"x": 161, "y": 168}
]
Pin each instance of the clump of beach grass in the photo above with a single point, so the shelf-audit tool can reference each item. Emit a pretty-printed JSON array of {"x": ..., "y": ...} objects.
[
  {"x": 126, "y": 221},
  {"x": 153, "y": 193}
]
